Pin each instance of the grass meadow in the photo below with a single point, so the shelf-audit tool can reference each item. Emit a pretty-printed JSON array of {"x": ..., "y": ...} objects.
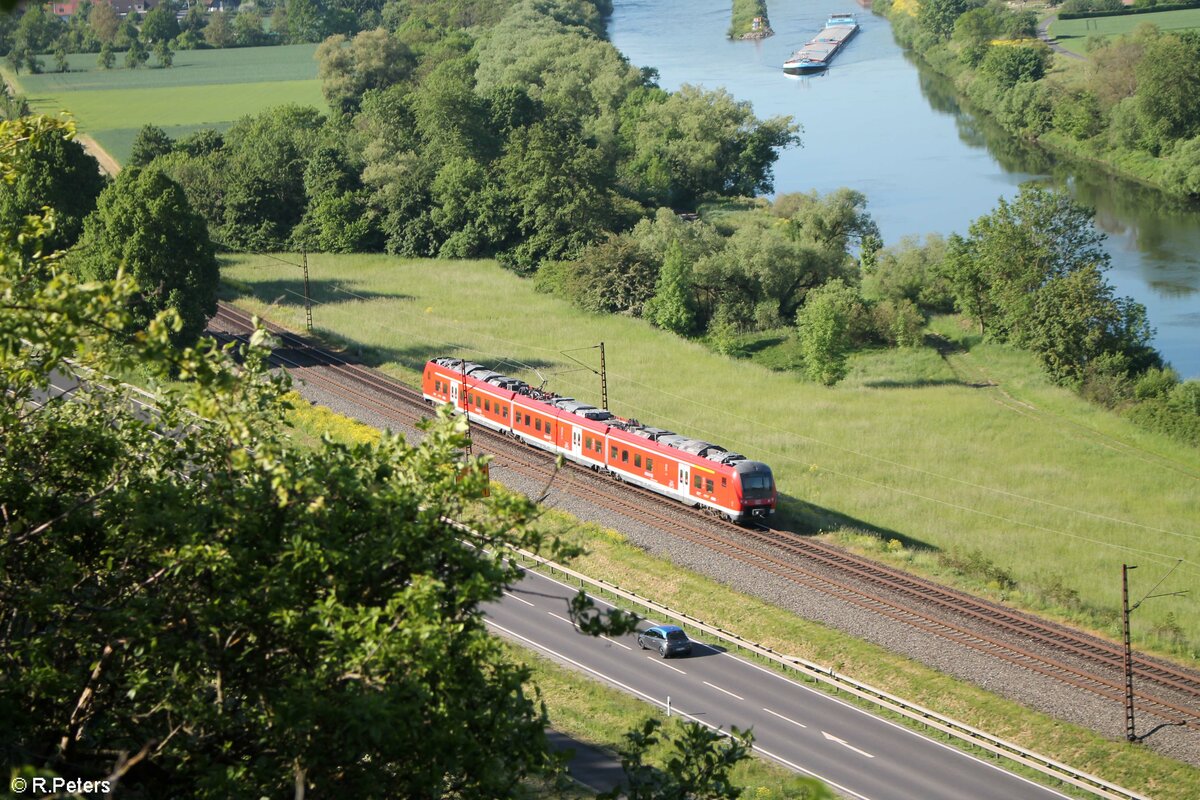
[
  {"x": 1074, "y": 33},
  {"x": 977, "y": 458},
  {"x": 204, "y": 89}
]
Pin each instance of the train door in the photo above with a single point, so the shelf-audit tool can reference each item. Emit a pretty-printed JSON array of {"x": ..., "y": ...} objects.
[
  {"x": 684, "y": 479},
  {"x": 577, "y": 442},
  {"x": 454, "y": 394}
]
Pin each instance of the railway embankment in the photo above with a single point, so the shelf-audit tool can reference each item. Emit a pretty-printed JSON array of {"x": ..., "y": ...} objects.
[{"x": 750, "y": 20}]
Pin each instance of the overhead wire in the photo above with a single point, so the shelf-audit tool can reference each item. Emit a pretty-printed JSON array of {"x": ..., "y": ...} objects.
[{"x": 426, "y": 321}]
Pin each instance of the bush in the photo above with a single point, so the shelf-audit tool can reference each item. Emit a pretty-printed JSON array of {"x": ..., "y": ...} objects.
[{"x": 898, "y": 322}]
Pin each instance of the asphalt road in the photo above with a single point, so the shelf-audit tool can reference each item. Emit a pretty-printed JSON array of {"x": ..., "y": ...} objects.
[{"x": 857, "y": 754}]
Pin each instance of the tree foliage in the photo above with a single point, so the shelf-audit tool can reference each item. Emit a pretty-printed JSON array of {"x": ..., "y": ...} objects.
[
  {"x": 217, "y": 613},
  {"x": 144, "y": 227},
  {"x": 673, "y": 306},
  {"x": 698, "y": 767},
  {"x": 150, "y": 143},
  {"x": 823, "y": 330}
]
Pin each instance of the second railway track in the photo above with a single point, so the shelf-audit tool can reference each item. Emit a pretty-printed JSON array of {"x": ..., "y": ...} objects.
[{"x": 1088, "y": 663}]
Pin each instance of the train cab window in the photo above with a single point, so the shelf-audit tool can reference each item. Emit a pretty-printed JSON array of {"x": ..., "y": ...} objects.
[
  {"x": 649, "y": 464},
  {"x": 537, "y": 423},
  {"x": 696, "y": 482},
  {"x": 637, "y": 460},
  {"x": 624, "y": 456},
  {"x": 708, "y": 486}
]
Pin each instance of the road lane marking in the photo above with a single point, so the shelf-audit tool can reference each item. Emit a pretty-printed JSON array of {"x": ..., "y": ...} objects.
[
  {"x": 665, "y": 664},
  {"x": 785, "y": 719},
  {"x": 846, "y": 744},
  {"x": 726, "y": 691},
  {"x": 518, "y": 599},
  {"x": 655, "y": 701},
  {"x": 830, "y": 698},
  {"x": 614, "y": 641},
  {"x": 564, "y": 619}
]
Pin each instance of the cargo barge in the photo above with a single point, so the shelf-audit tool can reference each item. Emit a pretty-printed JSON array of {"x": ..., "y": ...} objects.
[{"x": 816, "y": 55}]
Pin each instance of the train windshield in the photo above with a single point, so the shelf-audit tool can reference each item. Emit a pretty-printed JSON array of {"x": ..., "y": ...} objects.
[{"x": 757, "y": 484}]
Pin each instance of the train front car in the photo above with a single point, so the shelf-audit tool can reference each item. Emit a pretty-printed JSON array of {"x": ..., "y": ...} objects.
[{"x": 756, "y": 491}]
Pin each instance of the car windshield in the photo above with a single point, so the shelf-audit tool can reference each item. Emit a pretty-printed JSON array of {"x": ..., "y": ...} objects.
[{"x": 677, "y": 636}]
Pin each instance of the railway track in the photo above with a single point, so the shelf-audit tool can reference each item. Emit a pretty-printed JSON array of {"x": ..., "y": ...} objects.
[{"x": 1170, "y": 694}]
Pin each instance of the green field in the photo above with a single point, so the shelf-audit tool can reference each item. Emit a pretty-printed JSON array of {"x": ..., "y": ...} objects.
[
  {"x": 204, "y": 89},
  {"x": 979, "y": 453},
  {"x": 1074, "y": 33}
]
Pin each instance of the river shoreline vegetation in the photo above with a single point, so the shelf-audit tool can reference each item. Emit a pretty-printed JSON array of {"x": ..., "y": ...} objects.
[{"x": 745, "y": 12}]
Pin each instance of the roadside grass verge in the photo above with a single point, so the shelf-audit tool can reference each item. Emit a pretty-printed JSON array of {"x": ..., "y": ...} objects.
[
  {"x": 1036, "y": 479},
  {"x": 1073, "y": 34},
  {"x": 592, "y": 712},
  {"x": 204, "y": 88},
  {"x": 614, "y": 559}
]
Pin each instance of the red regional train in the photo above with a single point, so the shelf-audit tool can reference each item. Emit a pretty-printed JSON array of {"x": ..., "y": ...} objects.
[{"x": 697, "y": 473}]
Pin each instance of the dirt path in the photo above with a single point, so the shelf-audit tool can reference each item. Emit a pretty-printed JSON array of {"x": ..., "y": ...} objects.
[{"x": 108, "y": 164}]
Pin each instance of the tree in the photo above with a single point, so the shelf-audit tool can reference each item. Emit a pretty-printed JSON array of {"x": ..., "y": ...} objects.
[
  {"x": 164, "y": 54},
  {"x": 107, "y": 57},
  {"x": 673, "y": 306},
  {"x": 56, "y": 172},
  {"x": 699, "y": 766},
  {"x": 248, "y": 28},
  {"x": 823, "y": 329},
  {"x": 37, "y": 30},
  {"x": 1168, "y": 87},
  {"x": 940, "y": 16},
  {"x": 1015, "y": 250},
  {"x": 1012, "y": 65},
  {"x": 372, "y": 60},
  {"x": 104, "y": 21},
  {"x": 160, "y": 24},
  {"x": 144, "y": 226},
  {"x": 60, "y": 59},
  {"x": 150, "y": 143},
  {"x": 695, "y": 142},
  {"x": 219, "y": 613},
  {"x": 219, "y": 32},
  {"x": 136, "y": 55},
  {"x": 305, "y": 22}
]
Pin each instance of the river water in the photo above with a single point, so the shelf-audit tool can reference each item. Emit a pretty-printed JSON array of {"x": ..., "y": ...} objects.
[{"x": 878, "y": 123}]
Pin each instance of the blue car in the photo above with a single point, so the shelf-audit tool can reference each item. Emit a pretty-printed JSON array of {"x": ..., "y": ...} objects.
[{"x": 668, "y": 640}]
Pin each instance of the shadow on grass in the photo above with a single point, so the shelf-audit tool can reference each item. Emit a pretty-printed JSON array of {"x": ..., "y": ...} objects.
[
  {"x": 290, "y": 291},
  {"x": 805, "y": 519},
  {"x": 919, "y": 383}
]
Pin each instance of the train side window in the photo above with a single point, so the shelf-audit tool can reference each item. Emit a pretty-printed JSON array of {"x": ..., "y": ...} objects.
[
  {"x": 437, "y": 386},
  {"x": 708, "y": 485},
  {"x": 600, "y": 447},
  {"x": 487, "y": 405},
  {"x": 624, "y": 456},
  {"x": 506, "y": 412},
  {"x": 614, "y": 452},
  {"x": 537, "y": 423},
  {"x": 637, "y": 460},
  {"x": 697, "y": 481},
  {"x": 724, "y": 482},
  {"x": 649, "y": 464}
]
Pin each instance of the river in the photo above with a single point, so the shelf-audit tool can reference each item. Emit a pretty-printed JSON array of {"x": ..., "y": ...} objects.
[{"x": 878, "y": 123}]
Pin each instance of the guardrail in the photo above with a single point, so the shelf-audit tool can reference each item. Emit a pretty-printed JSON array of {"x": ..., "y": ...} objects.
[{"x": 932, "y": 719}]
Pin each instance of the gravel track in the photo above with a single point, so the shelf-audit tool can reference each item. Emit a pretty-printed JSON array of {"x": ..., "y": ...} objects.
[{"x": 1004, "y": 678}]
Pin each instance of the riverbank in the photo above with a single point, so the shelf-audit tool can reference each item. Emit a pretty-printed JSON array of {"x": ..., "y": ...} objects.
[
  {"x": 1056, "y": 101},
  {"x": 750, "y": 20}
]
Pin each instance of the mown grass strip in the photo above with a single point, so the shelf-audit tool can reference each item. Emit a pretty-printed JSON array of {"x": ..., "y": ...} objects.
[
  {"x": 1073, "y": 34},
  {"x": 1050, "y": 489}
]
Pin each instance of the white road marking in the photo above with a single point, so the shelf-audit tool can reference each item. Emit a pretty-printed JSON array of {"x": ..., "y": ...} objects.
[
  {"x": 655, "y": 701},
  {"x": 564, "y": 619},
  {"x": 719, "y": 689},
  {"x": 614, "y": 641},
  {"x": 665, "y": 664},
  {"x": 846, "y": 744},
  {"x": 785, "y": 719},
  {"x": 518, "y": 599},
  {"x": 930, "y": 740}
]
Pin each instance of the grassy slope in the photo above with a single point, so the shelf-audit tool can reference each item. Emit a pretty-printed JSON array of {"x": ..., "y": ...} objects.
[
  {"x": 597, "y": 714},
  {"x": 1073, "y": 33},
  {"x": 1044, "y": 484},
  {"x": 204, "y": 88}
]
